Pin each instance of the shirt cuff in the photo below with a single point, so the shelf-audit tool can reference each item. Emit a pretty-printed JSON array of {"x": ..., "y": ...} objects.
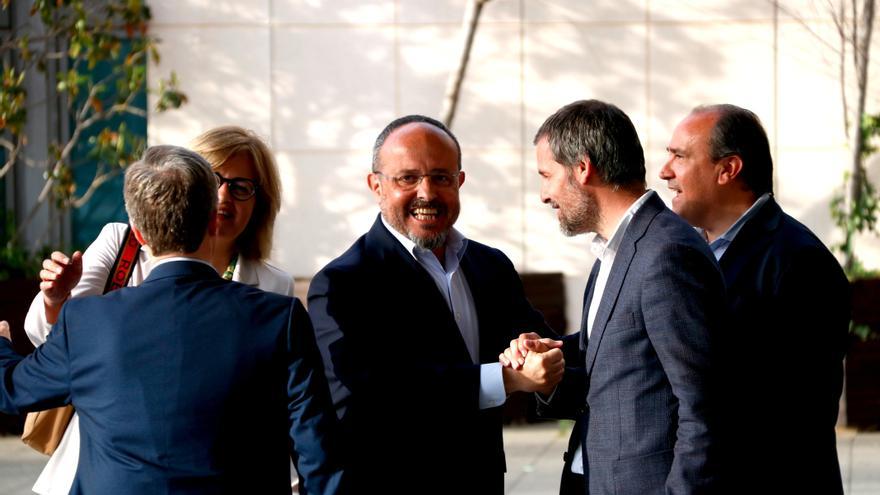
[{"x": 491, "y": 386}]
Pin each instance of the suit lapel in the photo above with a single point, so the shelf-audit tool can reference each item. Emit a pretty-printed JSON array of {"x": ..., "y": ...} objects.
[
  {"x": 622, "y": 261},
  {"x": 750, "y": 240},
  {"x": 416, "y": 281},
  {"x": 588, "y": 298}
]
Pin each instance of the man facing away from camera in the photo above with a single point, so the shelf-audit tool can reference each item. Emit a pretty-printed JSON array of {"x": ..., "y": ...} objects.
[{"x": 187, "y": 384}]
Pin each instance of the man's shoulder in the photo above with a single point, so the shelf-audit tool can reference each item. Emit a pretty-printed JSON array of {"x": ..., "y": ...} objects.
[
  {"x": 667, "y": 230},
  {"x": 484, "y": 250},
  {"x": 353, "y": 259}
]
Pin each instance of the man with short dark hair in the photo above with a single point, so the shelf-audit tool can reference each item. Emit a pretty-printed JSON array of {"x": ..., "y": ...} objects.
[
  {"x": 187, "y": 384},
  {"x": 639, "y": 375},
  {"x": 410, "y": 320},
  {"x": 789, "y": 301}
]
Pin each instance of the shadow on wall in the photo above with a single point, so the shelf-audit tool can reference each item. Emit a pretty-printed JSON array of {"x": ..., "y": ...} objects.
[{"x": 534, "y": 68}]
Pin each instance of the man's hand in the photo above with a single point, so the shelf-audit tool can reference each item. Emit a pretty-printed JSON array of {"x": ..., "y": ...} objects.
[
  {"x": 515, "y": 355},
  {"x": 541, "y": 372},
  {"x": 59, "y": 276},
  {"x": 4, "y": 331}
]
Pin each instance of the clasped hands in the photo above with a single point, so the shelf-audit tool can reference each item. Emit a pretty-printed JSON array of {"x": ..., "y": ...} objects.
[{"x": 532, "y": 364}]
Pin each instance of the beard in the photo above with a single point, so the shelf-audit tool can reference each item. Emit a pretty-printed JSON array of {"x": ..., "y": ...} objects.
[
  {"x": 581, "y": 217},
  {"x": 430, "y": 240}
]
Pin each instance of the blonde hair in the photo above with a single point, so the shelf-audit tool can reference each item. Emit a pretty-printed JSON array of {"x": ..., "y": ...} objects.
[{"x": 217, "y": 145}]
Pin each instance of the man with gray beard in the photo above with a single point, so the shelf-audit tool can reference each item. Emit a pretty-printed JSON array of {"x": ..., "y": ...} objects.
[{"x": 410, "y": 321}]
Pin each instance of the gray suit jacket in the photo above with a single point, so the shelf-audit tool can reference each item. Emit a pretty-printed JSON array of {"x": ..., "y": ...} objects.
[{"x": 640, "y": 387}]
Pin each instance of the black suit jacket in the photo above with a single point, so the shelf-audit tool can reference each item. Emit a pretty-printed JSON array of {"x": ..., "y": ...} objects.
[
  {"x": 790, "y": 312},
  {"x": 400, "y": 374},
  {"x": 187, "y": 384},
  {"x": 641, "y": 387}
]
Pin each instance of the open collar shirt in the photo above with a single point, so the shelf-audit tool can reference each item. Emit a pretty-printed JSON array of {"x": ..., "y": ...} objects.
[{"x": 452, "y": 284}]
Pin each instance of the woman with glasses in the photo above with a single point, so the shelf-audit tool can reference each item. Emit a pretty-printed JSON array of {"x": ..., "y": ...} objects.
[{"x": 249, "y": 197}]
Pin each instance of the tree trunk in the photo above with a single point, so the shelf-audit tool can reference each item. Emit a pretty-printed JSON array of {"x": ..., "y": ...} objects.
[
  {"x": 453, "y": 84},
  {"x": 863, "y": 27}
]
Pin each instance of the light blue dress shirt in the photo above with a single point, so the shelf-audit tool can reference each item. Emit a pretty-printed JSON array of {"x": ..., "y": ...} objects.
[
  {"x": 719, "y": 246},
  {"x": 453, "y": 285}
]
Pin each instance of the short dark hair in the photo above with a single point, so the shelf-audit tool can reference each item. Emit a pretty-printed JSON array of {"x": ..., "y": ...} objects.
[
  {"x": 739, "y": 132},
  {"x": 601, "y": 132},
  {"x": 170, "y": 196},
  {"x": 410, "y": 119}
]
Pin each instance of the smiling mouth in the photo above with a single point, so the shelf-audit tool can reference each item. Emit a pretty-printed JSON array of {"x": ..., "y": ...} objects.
[
  {"x": 224, "y": 212},
  {"x": 425, "y": 214}
]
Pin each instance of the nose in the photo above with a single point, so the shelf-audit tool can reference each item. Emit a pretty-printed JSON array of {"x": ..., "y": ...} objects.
[
  {"x": 425, "y": 189},
  {"x": 223, "y": 193},
  {"x": 545, "y": 198},
  {"x": 666, "y": 170}
]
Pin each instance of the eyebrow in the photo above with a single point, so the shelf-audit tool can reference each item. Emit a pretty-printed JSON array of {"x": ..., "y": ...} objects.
[{"x": 670, "y": 149}]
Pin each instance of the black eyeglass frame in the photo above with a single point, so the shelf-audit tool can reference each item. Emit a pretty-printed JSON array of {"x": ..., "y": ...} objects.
[{"x": 236, "y": 184}]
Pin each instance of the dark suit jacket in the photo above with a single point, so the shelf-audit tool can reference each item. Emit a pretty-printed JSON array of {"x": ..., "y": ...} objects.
[
  {"x": 790, "y": 313},
  {"x": 640, "y": 387},
  {"x": 187, "y": 384},
  {"x": 400, "y": 374}
]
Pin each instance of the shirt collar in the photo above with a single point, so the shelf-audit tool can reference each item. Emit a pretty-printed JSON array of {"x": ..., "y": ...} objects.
[
  {"x": 602, "y": 248},
  {"x": 157, "y": 262},
  {"x": 456, "y": 244},
  {"x": 728, "y": 236}
]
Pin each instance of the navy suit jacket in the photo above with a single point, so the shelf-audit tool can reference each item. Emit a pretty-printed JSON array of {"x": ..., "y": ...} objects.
[
  {"x": 187, "y": 384},
  {"x": 640, "y": 388},
  {"x": 790, "y": 315},
  {"x": 400, "y": 374}
]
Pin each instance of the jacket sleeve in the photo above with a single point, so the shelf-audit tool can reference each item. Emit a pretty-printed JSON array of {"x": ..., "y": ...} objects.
[
  {"x": 683, "y": 304},
  {"x": 569, "y": 399},
  {"x": 313, "y": 424},
  {"x": 39, "y": 381}
]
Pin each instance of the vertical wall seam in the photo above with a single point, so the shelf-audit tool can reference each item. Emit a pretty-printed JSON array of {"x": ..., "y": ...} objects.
[
  {"x": 649, "y": 112},
  {"x": 523, "y": 139},
  {"x": 775, "y": 90},
  {"x": 270, "y": 26}
]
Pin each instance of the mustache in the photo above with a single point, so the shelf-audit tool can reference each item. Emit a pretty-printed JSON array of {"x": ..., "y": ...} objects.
[{"x": 421, "y": 203}]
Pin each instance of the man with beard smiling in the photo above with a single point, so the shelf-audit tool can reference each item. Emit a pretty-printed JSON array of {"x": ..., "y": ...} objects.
[
  {"x": 639, "y": 374},
  {"x": 410, "y": 321}
]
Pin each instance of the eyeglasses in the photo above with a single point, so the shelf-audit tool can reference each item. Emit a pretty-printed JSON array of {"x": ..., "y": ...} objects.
[
  {"x": 411, "y": 181},
  {"x": 239, "y": 188}
]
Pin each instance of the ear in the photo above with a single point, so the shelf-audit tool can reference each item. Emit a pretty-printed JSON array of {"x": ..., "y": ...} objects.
[
  {"x": 460, "y": 177},
  {"x": 729, "y": 169},
  {"x": 582, "y": 172},
  {"x": 374, "y": 183},
  {"x": 138, "y": 235}
]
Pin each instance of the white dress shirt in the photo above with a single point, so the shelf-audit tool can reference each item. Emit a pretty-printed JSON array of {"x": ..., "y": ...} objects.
[
  {"x": 452, "y": 284},
  {"x": 605, "y": 251}
]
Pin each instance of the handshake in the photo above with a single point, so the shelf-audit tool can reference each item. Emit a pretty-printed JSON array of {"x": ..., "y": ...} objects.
[{"x": 532, "y": 364}]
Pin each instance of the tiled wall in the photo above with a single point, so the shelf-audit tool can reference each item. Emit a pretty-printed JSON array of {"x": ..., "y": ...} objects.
[{"x": 320, "y": 78}]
